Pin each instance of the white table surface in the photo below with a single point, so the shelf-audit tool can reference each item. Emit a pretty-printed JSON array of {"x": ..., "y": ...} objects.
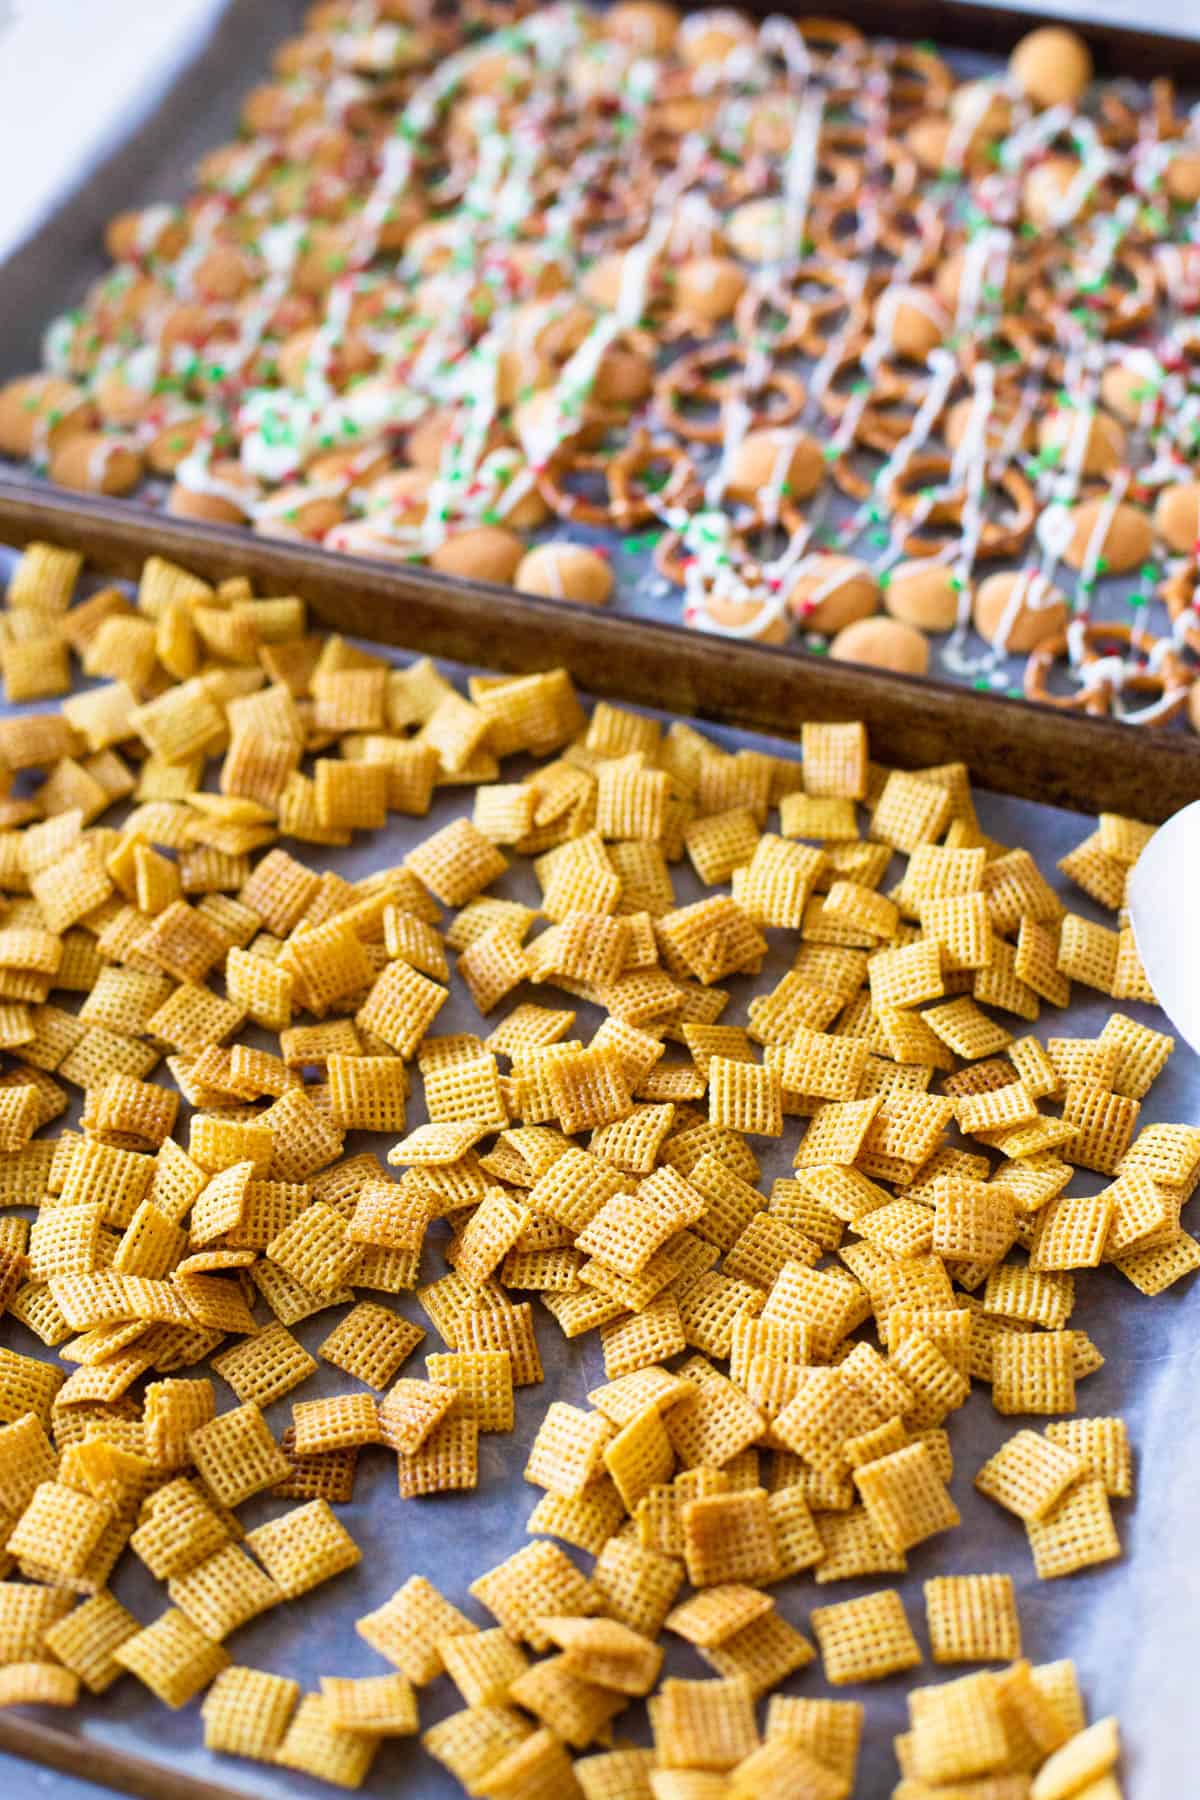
[{"x": 72, "y": 75}]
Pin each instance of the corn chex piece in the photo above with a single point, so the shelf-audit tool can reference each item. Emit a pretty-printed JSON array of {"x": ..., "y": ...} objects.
[
  {"x": 1080, "y": 1765},
  {"x": 972, "y": 1618},
  {"x": 37, "y": 1684},
  {"x": 237, "y": 1455},
  {"x": 85, "y": 1639},
  {"x": 538, "y": 1581},
  {"x": 1034, "y": 1372},
  {"x": 303, "y": 1547},
  {"x": 1103, "y": 1443},
  {"x": 1030, "y": 1474},
  {"x": 704, "y": 1724},
  {"x": 714, "y": 1614},
  {"x": 958, "y": 1730},
  {"x": 639, "y": 1457},
  {"x": 905, "y": 1496},
  {"x": 315, "y": 1744},
  {"x": 173, "y": 1658},
  {"x": 830, "y": 1731},
  {"x": 835, "y": 759},
  {"x": 482, "y": 1664},
  {"x": 375, "y": 1706},
  {"x": 1078, "y": 1533},
  {"x": 729, "y": 1538},
  {"x": 605, "y": 1653},
  {"x": 635, "y": 1583},
  {"x": 409, "y": 1628},
  {"x": 263, "y": 1368},
  {"x": 865, "y": 1640},
  {"x": 567, "y": 1450},
  {"x": 764, "y": 1653},
  {"x": 223, "y": 1592},
  {"x": 246, "y": 1712},
  {"x": 58, "y": 1529},
  {"x": 370, "y": 1343}
]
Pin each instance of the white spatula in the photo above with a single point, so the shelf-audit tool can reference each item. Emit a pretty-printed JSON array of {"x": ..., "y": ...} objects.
[{"x": 1163, "y": 903}]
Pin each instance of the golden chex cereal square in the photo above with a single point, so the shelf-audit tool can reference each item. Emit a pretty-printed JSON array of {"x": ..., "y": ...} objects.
[{"x": 865, "y": 1640}]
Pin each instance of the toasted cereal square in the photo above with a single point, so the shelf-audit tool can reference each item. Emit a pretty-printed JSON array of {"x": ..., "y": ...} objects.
[
  {"x": 37, "y": 1684},
  {"x": 1088, "y": 952},
  {"x": 745, "y": 1097},
  {"x": 409, "y": 1629},
  {"x": 303, "y": 1547},
  {"x": 1103, "y": 1443},
  {"x": 1078, "y": 1533},
  {"x": 173, "y": 1658},
  {"x": 223, "y": 1592},
  {"x": 327, "y": 1475},
  {"x": 1029, "y": 1475},
  {"x": 376, "y": 1706},
  {"x": 1082, "y": 1765},
  {"x": 540, "y": 1764},
  {"x": 587, "y": 1523},
  {"x": 764, "y": 1652},
  {"x": 704, "y": 1724},
  {"x": 474, "y": 1742},
  {"x": 716, "y": 1614},
  {"x": 616, "y": 1775},
  {"x": 972, "y": 1618},
  {"x": 237, "y": 1455},
  {"x": 58, "y": 1529},
  {"x": 905, "y": 1496},
  {"x": 1033, "y": 1372},
  {"x": 482, "y": 1664},
  {"x": 510, "y": 1329},
  {"x": 1102, "y": 1125},
  {"x": 314, "y": 1744},
  {"x": 246, "y": 1712},
  {"x": 1072, "y": 1232},
  {"x": 829, "y": 1730},
  {"x": 534, "y": 1582},
  {"x": 729, "y": 1538},
  {"x": 400, "y": 1007},
  {"x": 482, "y": 1379},
  {"x": 568, "y": 1449},
  {"x": 265, "y": 1367},
  {"x": 575, "y": 1709},
  {"x": 456, "y": 863},
  {"x": 27, "y": 1614},
  {"x": 371, "y": 1343},
  {"x": 446, "y": 1461},
  {"x": 334, "y": 1422},
  {"x": 410, "y": 1411},
  {"x": 866, "y": 1639}
]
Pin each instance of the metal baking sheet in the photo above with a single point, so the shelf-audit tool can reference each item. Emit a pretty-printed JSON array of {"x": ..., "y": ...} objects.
[
  {"x": 1131, "y": 1626},
  {"x": 53, "y": 269}
]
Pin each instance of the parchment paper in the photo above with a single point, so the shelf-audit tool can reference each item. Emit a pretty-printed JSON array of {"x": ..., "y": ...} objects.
[{"x": 1131, "y": 1626}]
